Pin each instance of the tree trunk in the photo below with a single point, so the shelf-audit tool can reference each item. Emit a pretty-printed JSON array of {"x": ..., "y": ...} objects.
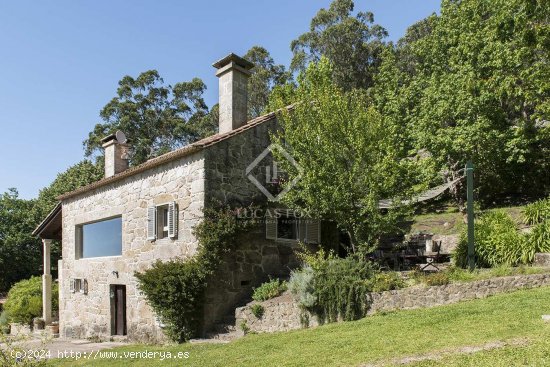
[{"x": 457, "y": 190}]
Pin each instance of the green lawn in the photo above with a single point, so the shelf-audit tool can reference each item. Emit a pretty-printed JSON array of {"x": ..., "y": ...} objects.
[
  {"x": 381, "y": 338},
  {"x": 535, "y": 354}
]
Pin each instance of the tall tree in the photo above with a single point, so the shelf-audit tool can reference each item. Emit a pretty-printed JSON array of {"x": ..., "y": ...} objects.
[
  {"x": 352, "y": 43},
  {"x": 476, "y": 87},
  {"x": 350, "y": 158},
  {"x": 20, "y": 252},
  {"x": 156, "y": 117},
  {"x": 81, "y": 174},
  {"x": 265, "y": 76}
]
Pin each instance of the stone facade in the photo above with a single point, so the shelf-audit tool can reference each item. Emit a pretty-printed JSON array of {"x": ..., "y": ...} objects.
[
  {"x": 88, "y": 315},
  {"x": 282, "y": 313},
  {"x": 208, "y": 177},
  {"x": 254, "y": 261},
  {"x": 226, "y": 163}
]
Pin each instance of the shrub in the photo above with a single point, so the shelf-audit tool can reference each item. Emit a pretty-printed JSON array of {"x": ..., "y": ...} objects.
[
  {"x": 24, "y": 300},
  {"x": 539, "y": 237},
  {"x": 316, "y": 260},
  {"x": 269, "y": 290},
  {"x": 257, "y": 310},
  {"x": 341, "y": 287},
  {"x": 537, "y": 212},
  {"x": 457, "y": 274},
  {"x": 439, "y": 278},
  {"x": 175, "y": 289},
  {"x": 387, "y": 281},
  {"x": 244, "y": 327},
  {"x": 497, "y": 241},
  {"x": 301, "y": 286},
  {"x": 15, "y": 353}
]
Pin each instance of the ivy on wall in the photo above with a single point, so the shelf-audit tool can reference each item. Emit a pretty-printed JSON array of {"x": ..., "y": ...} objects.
[{"x": 175, "y": 289}]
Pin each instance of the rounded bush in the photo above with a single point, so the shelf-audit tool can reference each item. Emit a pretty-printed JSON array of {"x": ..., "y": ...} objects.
[
  {"x": 497, "y": 242},
  {"x": 24, "y": 300}
]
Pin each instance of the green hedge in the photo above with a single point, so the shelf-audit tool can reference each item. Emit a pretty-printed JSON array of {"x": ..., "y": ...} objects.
[{"x": 24, "y": 300}]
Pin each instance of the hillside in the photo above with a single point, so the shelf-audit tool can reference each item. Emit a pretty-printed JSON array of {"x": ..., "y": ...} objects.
[{"x": 503, "y": 327}]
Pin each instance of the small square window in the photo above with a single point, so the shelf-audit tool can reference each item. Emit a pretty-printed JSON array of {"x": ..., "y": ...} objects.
[
  {"x": 162, "y": 221},
  {"x": 287, "y": 228}
]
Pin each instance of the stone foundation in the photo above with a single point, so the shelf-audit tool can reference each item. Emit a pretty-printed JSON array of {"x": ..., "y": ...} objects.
[{"x": 282, "y": 313}]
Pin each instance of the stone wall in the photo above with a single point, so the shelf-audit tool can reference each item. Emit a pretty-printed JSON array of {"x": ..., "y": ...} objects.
[
  {"x": 282, "y": 313},
  {"x": 88, "y": 315},
  {"x": 216, "y": 174},
  {"x": 254, "y": 261},
  {"x": 227, "y": 161},
  {"x": 542, "y": 259}
]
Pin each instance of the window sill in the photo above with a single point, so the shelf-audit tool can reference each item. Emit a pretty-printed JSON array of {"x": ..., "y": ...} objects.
[{"x": 100, "y": 258}]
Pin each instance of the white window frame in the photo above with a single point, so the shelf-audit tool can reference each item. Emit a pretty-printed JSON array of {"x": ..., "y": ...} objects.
[{"x": 158, "y": 225}]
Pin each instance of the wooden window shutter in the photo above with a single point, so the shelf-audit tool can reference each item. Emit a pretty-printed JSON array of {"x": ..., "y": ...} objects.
[
  {"x": 270, "y": 225},
  {"x": 78, "y": 243},
  {"x": 85, "y": 286},
  {"x": 151, "y": 223},
  {"x": 71, "y": 285},
  {"x": 302, "y": 229},
  {"x": 313, "y": 234},
  {"x": 172, "y": 220}
]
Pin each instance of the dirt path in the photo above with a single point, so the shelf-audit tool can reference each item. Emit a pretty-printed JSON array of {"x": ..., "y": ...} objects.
[{"x": 438, "y": 355}]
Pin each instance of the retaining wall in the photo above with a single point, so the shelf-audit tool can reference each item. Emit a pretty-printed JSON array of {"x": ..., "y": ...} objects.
[{"x": 282, "y": 313}]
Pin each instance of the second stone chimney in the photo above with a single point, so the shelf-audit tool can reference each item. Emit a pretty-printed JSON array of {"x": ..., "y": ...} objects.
[
  {"x": 233, "y": 72},
  {"x": 116, "y": 153}
]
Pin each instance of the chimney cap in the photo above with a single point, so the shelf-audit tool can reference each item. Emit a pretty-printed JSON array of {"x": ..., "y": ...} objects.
[
  {"x": 108, "y": 138},
  {"x": 245, "y": 64},
  {"x": 119, "y": 136}
]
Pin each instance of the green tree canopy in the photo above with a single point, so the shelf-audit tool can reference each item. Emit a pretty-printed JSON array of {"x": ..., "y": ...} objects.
[
  {"x": 352, "y": 43},
  {"x": 265, "y": 76},
  {"x": 20, "y": 252},
  {"x": 475, "y": 85},
  {"x": 156, "y": 117},
  {"x": 350, "y": 157}
]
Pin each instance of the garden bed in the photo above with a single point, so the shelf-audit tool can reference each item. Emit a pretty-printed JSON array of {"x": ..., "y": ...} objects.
[{"x": 283, "y": 313}]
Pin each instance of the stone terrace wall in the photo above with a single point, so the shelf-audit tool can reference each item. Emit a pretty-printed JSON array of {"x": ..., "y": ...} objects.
[{"x": 282, "y": 313}]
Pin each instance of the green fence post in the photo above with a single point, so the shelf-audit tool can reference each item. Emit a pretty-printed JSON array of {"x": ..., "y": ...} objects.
[{"x": 470, "y": 208}]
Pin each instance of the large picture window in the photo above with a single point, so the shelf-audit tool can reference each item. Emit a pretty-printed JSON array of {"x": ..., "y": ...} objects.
[{"x": 99, "y": 239}]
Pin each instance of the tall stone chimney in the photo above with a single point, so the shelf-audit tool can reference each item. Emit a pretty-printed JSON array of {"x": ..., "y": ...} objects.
[
  {"x": 233, "y": 72},
  {"x": 116, "y": 153}
]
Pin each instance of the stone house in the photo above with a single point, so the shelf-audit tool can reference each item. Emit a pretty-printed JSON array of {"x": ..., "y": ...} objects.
[{"x": 137, "y": 215}]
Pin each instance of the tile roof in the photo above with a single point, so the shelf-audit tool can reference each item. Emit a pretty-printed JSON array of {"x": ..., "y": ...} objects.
[{"x": 168, "y": 157}]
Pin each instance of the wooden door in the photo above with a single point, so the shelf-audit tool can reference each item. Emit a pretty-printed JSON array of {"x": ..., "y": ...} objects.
[{"x": 118, "y": 309}]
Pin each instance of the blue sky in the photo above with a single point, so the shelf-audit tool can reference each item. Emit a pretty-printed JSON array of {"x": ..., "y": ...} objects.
[{"x": 60, "y": 62}]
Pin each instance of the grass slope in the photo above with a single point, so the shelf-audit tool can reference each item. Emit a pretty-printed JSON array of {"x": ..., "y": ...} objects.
[
  {"x": 448, "y": 220},
  {"x": 372, "y": 340}
]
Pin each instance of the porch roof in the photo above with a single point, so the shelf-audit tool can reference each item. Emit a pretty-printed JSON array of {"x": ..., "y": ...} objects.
[{"x": 50, "y": 228}]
